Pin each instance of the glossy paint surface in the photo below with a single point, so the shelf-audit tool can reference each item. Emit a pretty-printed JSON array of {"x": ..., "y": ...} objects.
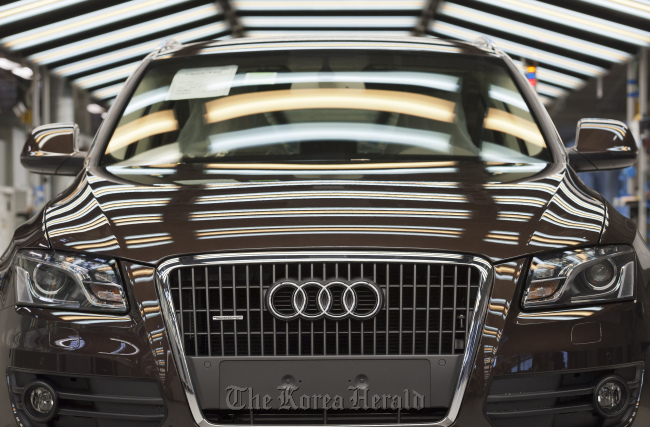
[
  {"x": 512, "y": 341},
  {"x": 497, "y": 211},
  {"x": 500, "y": 212}
]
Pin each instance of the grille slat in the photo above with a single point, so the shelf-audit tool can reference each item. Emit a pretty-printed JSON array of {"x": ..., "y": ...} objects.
[
  {"x": 427, "y": 309},
  {"x": 196, "y": 338},
  {"x": 207, "y": 309},
  {"x": 223, "y": 347},
  {"x": 286, "y": 324},
  {"x": 401, "y": 304},
  {"x": 426, "y": 332},
  {"x": 374, "y": 321},
  {"x": 234, "y": 306},
  {"x": 299, "y": 320},
  {"x": 248, "y": 309},
  {"x": 387, "y": 306},
  {"x": 454, "y": 318},
  {"x": 324, "y": 417},
  {"x": 415, "y": 293},
  {"x": 442, "y": 290},
  {"x": 469, "y": 293},
  {"x": 261, "y": 288},
  {"x": 275, "y": 333}
]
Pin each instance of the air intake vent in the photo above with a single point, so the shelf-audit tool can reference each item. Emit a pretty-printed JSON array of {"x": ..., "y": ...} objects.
[
  {"x": 85, "y": 401},
  {"x": 557, "y": 398}
]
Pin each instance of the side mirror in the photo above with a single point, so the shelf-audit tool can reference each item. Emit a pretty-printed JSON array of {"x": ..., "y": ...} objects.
[
  {"x": 52, "y": 150},
  {"x": 602, "y": 144}
]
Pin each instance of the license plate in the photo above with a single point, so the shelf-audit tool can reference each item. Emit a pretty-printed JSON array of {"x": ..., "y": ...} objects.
[{"x": 325, "y": 384}]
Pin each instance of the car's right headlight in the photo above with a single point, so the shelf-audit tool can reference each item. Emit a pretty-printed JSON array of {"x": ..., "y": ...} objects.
[
  {"x": 580, "y": 276},
  {"x": 70, "y": 281}
]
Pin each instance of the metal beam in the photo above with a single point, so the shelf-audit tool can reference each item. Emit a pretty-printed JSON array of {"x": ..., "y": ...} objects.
[
  {"x": 632, "y": 91},
  {"x": 632, "y": 96},
  {"x": 230, "y": 13},
  {"x": 428, "y": 15},
  {"x": 643, "y": 134}
]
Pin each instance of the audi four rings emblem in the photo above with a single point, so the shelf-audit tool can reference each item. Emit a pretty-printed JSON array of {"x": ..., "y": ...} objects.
[{"x": 333, "y": 299}]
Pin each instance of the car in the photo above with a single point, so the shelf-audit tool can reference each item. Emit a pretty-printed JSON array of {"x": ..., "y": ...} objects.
[{"x": 340, "y": 231}]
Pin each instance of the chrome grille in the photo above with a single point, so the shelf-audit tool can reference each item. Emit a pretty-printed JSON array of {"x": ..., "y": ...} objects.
[{"x": 428, "y": 308}]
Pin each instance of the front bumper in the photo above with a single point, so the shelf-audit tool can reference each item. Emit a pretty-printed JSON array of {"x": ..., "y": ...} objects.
[{"x": 136, "y": 347}]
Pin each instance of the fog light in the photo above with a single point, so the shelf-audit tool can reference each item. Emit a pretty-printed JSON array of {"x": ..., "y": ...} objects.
[
  {"x": 611, "y": 396},
  {"x": 40, "y": 401}
]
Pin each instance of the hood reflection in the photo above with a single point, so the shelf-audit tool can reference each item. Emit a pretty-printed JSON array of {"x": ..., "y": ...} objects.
[{"x": 149, "y": 218}]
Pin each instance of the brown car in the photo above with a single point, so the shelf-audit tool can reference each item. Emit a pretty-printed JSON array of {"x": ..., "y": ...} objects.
[{"x": 326, "y": 231}]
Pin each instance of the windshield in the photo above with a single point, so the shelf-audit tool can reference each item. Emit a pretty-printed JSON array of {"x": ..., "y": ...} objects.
[{"x": 311, "y": 109}]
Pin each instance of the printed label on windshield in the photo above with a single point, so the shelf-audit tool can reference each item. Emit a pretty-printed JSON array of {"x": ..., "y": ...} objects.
[{"x": 208, "y": 82}]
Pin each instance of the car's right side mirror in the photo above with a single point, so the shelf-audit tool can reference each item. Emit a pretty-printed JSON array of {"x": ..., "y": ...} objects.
[
  {"x": 602, "y": 144},
  {"x": 52, "y": 150}
]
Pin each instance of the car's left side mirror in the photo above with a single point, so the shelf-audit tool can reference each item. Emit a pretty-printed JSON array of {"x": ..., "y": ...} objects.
[
  {"x": 602, "y": 144},
  {"x": 52, "y": 150}
]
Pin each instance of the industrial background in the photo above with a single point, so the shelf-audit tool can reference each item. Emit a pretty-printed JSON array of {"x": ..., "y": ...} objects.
[{"x": 66, "y": 60}]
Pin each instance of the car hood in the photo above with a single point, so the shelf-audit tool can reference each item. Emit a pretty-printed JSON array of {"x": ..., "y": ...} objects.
[{"x": 497, "y": 211}]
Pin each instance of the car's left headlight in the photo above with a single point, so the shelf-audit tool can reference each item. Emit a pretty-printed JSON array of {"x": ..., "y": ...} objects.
[
  {"x": 581, "y": 276},
  {"x": 70, "y": 281}
]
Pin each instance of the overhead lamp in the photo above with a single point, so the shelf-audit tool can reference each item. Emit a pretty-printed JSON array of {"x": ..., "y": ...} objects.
[
  {"x": 23, "y": 72},
  {"x": 520, "y": 50},
  {"x": 107, "y": 92},
  {"x": 533, "y": 33},
  {"x": 7, "y": 64},
  {"x": 108, "y": 76},
  {"x": 636, "y": 8},
  {"x": 307, "y": 33},
  {"x": 17, "y": 69},
  {"x": 89, "y": 21},
  {"x": 301, "y": 5},
  {"x": 95, "y": 109},
  {"x": 120, "y": 55},
  {"x": 570, "y": 18},
  {"x": 24, "y": 9},
  {"x": 137, "y": 51},
  {"x": 281, "y": 22},
  {"x": 553, "y": 91},
  {"x": 122, "y": 35}
]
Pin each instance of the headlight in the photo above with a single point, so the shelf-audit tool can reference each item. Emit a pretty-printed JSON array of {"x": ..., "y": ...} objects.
[
  {"x": 71, "y": 281},
  {"x": 581, "y": 276}
]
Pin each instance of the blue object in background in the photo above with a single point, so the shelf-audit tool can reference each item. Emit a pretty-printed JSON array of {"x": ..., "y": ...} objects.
[
  {"x": 607, "y": 183},
  {"x": 39, "y": 196}
]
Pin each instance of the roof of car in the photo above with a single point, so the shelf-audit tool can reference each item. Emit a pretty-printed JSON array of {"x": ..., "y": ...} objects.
[{"x": 247, "y": 44}]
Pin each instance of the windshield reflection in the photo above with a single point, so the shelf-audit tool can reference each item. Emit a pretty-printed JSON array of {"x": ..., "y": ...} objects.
[{"x": 325, "y": 110}]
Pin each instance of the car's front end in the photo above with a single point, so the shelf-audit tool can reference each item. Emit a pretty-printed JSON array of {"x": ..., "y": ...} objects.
[{"x": 225, "y": 257}]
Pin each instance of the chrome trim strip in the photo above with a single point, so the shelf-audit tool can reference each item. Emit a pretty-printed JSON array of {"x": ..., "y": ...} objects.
[{"x": 480, "y": 308}]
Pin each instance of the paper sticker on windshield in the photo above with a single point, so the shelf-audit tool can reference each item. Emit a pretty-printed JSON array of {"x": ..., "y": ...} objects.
[{"x": 208, "y": 82}]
